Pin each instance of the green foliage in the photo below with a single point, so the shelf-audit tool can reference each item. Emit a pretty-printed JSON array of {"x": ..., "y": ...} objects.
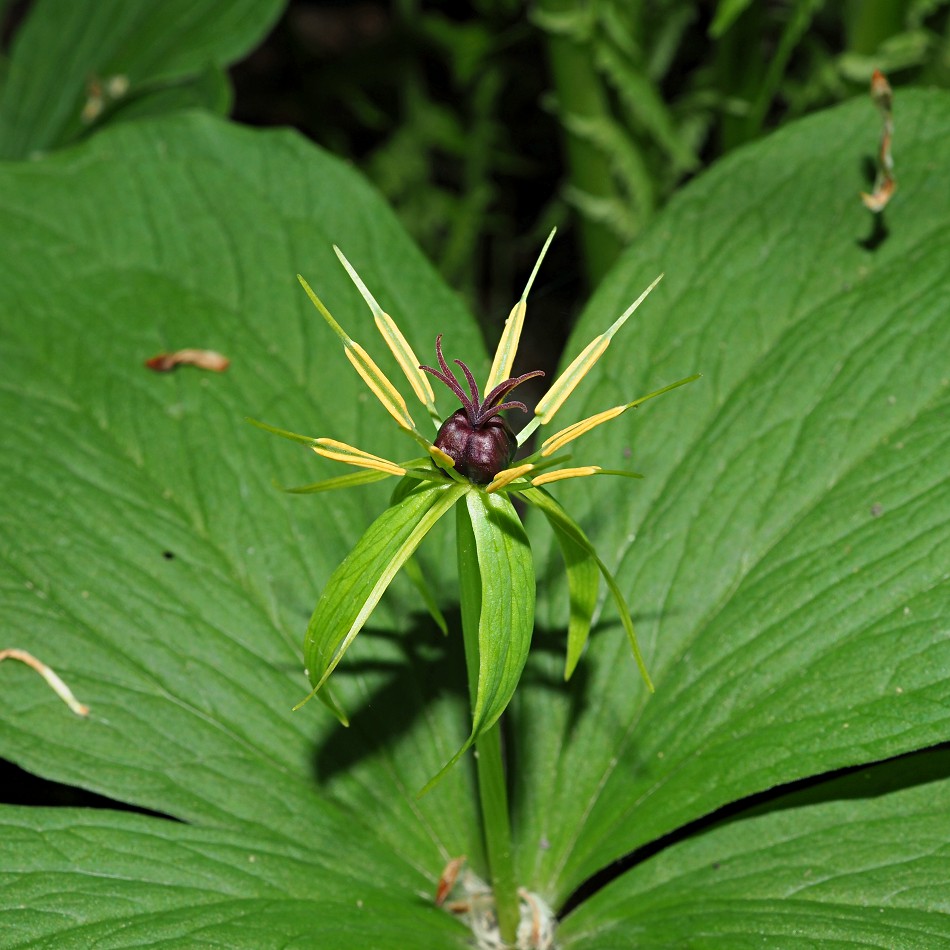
[
  {"x": 645, "y": 92},
  {"x": 492, "y": 535},
  {"x": 784, "y": 561},
  {"x": 455, "y": 117},
  {"x": 785, "y": 558},
  {"x": 799, "y": 878},
  {"x": 73, "y": 65},
  {"x": 360, "y": 581},
  {"x": 785, "y": 555}
]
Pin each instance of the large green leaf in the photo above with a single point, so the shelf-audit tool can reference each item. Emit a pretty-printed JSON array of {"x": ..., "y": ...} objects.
[
  {"x": 786, "y": 557},
  {"x": 63, "y": 47},
  {"x": 358, "y": 584},
  {"x": 800, "y": 878},
  {"x": 87, "y": 878},
  {"x": 146, "y": 555},
  {"x": 790, "y": 543}
]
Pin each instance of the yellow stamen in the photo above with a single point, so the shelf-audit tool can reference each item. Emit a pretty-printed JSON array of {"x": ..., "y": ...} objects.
[
  {"x": 577, "y": 429},
  {"x": 443, "y": 459},
  {"x": 341, "y": 452},
  {"x": 571, "y": 432},
  {"x": 406, "y": 358},
  {"x": 397, "y": 343},
  {"x": 507, "y": 476},
  {"x": 380, "y": 385},
  {"x": 508, "y": 344},
  {"x": 567, "y": 382},
  {"x": 371, "y": 374},
  {"x": 560, "y": 473}
]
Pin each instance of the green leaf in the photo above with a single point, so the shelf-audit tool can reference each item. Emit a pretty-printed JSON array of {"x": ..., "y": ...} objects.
[
  {"x": 869, "y": 870},
  {"x": 496, "y": 593},
  {"x": 102, "y": 878},
  {"x": 491, "y": 532},
  {"x": 786, "y": 553},
  {"x": 63, "y": 49},
  {"x": 727, "y": 12},
  {"x": 417, "y": 576},
  {"x": 148, "y": 558},
  {"x": 356, "y": 586},
  {"x": 209, "y": 89},
  {"x": 583, "y": 584},
  {"x": 569, "y": 533}
]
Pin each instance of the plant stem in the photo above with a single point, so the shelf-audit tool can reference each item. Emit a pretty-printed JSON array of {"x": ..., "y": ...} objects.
[
  {"x": 580, "y": 92},
  {"x": 497, "y": 830},
  {"x": 492, "y": 788}
]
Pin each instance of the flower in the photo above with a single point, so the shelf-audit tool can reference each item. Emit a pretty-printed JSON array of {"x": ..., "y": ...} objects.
[{"x": 471, "y": 459}]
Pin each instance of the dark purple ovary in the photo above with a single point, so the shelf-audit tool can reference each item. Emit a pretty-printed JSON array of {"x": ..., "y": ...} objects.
[{"x": 481, "y": 451}]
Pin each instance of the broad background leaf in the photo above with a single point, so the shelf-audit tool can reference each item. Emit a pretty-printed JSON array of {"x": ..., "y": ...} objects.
[
  {"x": 62, "y": 45},
  {"x": 791, "y": 626},
  {"x": 87, "y": 877},
  {"x": 786, "y": 556},
  {"x": 802, "y": 877},
  {"x": 148, "y": 557}
]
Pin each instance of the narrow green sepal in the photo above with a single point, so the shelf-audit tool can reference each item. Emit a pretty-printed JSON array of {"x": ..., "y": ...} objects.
[
  {"x": 405, "y": 486},
  {"x": 431, "y": 784},
  {"x": 339, "y": 481},
  {"x": 283, "y": 433},
  {"x": 414, "y": 572},
  {"x": 326, "y": 697},
  {"x": 561, "y": 521},
  {"x": 621, "y": 472}
]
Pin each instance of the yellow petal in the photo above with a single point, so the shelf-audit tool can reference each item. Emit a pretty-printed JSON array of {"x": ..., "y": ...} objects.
[
  {"x": 341, "y": 452},
  {"x": 508, "y": 344},
  {"x": 560, "y": 473}
]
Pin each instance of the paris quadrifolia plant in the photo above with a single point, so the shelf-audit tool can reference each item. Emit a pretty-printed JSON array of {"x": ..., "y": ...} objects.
[{"x": 469, "y": 462}]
